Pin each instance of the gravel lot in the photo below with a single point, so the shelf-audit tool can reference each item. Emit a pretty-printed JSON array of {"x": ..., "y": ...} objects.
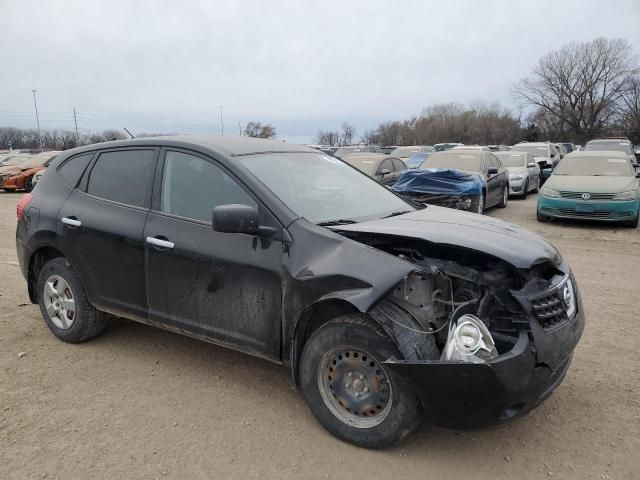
[{"x": 139, "y": 402}]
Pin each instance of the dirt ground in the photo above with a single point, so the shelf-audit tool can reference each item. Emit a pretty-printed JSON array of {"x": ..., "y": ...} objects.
[{"x": 138, "y": 402}]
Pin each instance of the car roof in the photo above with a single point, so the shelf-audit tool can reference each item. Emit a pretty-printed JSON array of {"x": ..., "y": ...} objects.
[
  {"x": 598, "y": 153},
  {"x": 534, "y": 144},
  {"x": 457, "y": 152},
  {"x": 230, "y": 146},
  {"x": 609, "y": 140}
]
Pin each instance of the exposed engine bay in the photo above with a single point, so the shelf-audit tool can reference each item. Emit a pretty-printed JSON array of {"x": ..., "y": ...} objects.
[{"x": 458, "y": 305}]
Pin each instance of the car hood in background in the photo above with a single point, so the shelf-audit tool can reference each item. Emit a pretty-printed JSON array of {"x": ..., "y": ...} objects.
[
  {"x": 518, "y": 170},
  {"x": 513, "y": 244},
  {"x": 438, "y": 181},
  {"x": 591, "y": 184}
]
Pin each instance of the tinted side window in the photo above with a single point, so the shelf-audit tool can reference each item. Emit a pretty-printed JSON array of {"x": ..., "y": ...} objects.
[
  {"x": 399, "y": 164},
  {"x": 72, "y": 169},
  {"x": 121, "y": 176},
  {"x": 192, "y": 187}
]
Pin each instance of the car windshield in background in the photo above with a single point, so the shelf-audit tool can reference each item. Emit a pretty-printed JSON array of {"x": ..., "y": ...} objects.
[
  {"x": 404, "y": 152},
  {"x": 364, "y": 164},
  {"x": 535, "y": 151},
  {"x": 458, "y": 161},
  {"x": 321, "y": 188},
  {"x": 416, "y": 159},
  {"x": 594, "y": 166},
  {"x": 513, "y": 159},
  {"x": 608, "y": 146},
  {"x": 341, "y": 152}
]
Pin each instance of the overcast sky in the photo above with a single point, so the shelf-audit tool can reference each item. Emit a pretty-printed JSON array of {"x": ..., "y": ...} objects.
[{"x": 300, "y": 65}]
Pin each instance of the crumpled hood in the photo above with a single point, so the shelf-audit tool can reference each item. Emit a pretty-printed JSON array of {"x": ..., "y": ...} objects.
[
  {"x": 591, "y": 184},
  {"x": 439, "y": 181},
  {"x": 513, "y": 244}
]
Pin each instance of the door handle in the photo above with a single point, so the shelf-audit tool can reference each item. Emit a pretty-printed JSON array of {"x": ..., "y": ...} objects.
[
  {"x": 158, "y": 242},
  {"x": 71, "y": 221}
]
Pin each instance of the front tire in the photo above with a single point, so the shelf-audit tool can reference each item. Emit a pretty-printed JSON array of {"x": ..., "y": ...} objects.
[
  {"x": 64, "y": 304},
  {"x": 28, "y": 184},
  {"x": 541, "y": 217},
  {"x": 526, "y": 190},
  {"x": 633, "y": 223},
  {"x": 348, "y": 388},
  {"x": 477, "y": 205},
  {"x": 505, "y": 197}
]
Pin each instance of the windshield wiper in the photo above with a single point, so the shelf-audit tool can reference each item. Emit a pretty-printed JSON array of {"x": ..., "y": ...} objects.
[
  {"x": 395, "y": 214},
  {"x": 340, "y": 221}
]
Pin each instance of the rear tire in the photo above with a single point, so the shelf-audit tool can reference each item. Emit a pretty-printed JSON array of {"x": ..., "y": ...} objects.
[
  {"x": 348, "y": 388},
  {"x": 64, "y": 304}
]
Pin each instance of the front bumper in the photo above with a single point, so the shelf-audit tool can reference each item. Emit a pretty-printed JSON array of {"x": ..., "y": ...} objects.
[
  {"x": 462, "y": 395},
  {"x": 604, "y": 210},
  {"x": 516, "y": 187},
  {"x": 458, "y": 202}
]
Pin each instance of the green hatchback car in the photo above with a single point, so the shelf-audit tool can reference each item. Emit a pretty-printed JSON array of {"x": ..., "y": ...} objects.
[{"x": 593, "y": 186}]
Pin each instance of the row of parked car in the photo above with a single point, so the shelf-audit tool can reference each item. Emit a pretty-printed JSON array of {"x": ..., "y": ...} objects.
[
  {"x": 21, "y": 170},
  {"x": 476, "y": 177}
]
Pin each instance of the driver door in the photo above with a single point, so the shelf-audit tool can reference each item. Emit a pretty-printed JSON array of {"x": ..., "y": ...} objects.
[{"x": 221, "y": 286}]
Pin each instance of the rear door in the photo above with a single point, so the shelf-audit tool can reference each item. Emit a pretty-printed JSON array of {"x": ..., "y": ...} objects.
[
  {"x": 222, "y": 286},
  {"x": 388, "y": 178},
  {"x": 101, "y": 226}
]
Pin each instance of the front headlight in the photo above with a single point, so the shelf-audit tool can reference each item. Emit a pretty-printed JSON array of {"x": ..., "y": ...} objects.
[
  {"x": 550, "y": 192},
  {"x": 516, "y": 177},
  {"x": 569, "y": 298},
  {"x": 631, "y": 195}
]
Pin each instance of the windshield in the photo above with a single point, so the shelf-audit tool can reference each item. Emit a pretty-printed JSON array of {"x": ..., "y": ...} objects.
[
  {"x": 536, "y": 151},
  {"x": 416, "y": 159},
  {"x": 610, "y": 146},
  {"x": 365, "y": 163},
  {"x": 321, "y": 188},
  {"x": 594, "y": 166},
  {"x": 512, "y": 159},
  {"x": 342, "y": 151},
  {"x": 18, "y": 160},
  {"x": 459, "y": 161},
  {"x": 404, "y": 152}
]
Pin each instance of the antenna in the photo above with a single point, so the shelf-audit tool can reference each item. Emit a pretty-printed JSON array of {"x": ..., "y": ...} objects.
[{"x": 130, "y": 134}]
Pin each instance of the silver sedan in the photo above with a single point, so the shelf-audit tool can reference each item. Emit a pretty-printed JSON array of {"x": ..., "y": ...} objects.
[{"x": 524, "y": 172}]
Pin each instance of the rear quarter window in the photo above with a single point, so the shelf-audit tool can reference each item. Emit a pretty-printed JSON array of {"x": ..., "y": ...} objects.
[
  {"x": 72, "y": 169},
  {"x": 121, "y": 176}
]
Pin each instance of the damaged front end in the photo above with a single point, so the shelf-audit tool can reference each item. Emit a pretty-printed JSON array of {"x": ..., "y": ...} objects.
[{"x": 482, "y": 341}]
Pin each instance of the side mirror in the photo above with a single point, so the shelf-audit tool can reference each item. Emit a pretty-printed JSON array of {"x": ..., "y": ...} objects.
[
  {"x": 532, "y": 165},
  {"x": 553, "y": 155},
  {"x": 385, "y": 171},
  {"x": 235, "y": 218},
  {"x": 492, "y": 171}
]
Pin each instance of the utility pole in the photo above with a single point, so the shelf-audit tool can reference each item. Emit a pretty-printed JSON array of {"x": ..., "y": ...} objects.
[
  {"x": 221, "y": 122},
  {"x": 240, "y": 128},
  {"x": 35, "y": 103},
  {"x": 75, "y": 120}
]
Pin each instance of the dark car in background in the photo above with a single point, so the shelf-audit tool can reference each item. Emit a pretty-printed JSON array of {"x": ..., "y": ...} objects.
[
  {"x": 382, "y": 311},
  {"x": 383, "y": 168},
  {"x": 484, "y": 182}
]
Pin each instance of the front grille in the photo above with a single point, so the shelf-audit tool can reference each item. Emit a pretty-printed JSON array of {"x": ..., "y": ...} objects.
[
  {"x": 592, "y": 196},
  {"x": 569, "y": 212},
  {"x": 549, "y": 308}
]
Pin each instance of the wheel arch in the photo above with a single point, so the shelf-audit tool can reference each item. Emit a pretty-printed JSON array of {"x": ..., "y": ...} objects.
[
  {"x": 312, "y": 318},
  {"x": 36, "y": 261}
]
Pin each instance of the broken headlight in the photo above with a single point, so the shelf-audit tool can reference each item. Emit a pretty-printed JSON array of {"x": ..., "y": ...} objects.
[{"x": 469, "y": 340}]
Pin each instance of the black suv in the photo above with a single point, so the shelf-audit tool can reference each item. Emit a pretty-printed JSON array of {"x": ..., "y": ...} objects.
[{"x": 383, "y": 311}]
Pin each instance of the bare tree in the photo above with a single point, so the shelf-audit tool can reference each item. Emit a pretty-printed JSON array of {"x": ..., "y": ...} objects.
[
  {"x": 348, "y": 132},
  {"x": 579, "y": 85},
  {"x": 628, "y": 113},
  {"x": 257, "y": 130},
  {"x": 329, "y": 137}
]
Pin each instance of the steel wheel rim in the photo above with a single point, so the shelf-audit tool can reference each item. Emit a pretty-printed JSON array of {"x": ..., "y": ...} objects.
[
  {"x": 59, "y": 302},
  {"x": 505, "y": 195},
  {"x": 355, "y": 387},
  {"x": 480, "y": 204}
]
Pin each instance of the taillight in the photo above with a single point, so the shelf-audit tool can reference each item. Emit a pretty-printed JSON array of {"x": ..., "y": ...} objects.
[{"x": 22, "y": 204}]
